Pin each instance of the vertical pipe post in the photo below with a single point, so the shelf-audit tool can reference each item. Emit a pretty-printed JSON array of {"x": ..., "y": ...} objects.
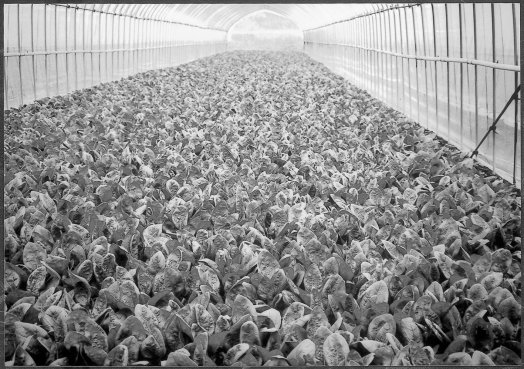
[
  {"x": 75, "y": 48},
  {"x": 140, "y": 43},
  {"x": 447, "y": 69},
  {"x": 494, "y": 77},
  {"x": 397, "y": 92},
  {"x": 358, "y": 51},
  {"x": 132, "y": 43},
  {"x": 390, "y": 57},
  {"x": 92, "y": 50},
  {"x": 149, "y": 45},
  {"x": 476, "y": 74},
  {"x": 33, "y": 49},
  {"x": 135, "y": 45},
  {"x": 516, "y": 60},
  {"x": 129, "y": 45},
  {"x": 416, "y": 62},
  {"x": 117, "y": 53},
  {"x": 124, "y": 45},
  {"x": 380, "y": 55},
  {"x": 6, "y": 60},
  {"x": 20, "y": 52},
  {"x": 408, "y": 61},
  {"x": 400, "y": 45},
  {"x": 366, "y": 52},
  {"x": 100, "y": 47},
  {"x": 461, "y": 79},
  {"x": 67, "y": 52},
  {"x": 112, "y": 52},
  {"x": 369, "y": 43},
  {"x": 144, "y": 43},
  {"x": 135, "y": 42},
  {"x": 383, "y": 56},
  {"x": 376, "y": 76},
  {"x": 436, "y": 74},
  {"x": 372, "y": 54},
  {"x": 120, "y": 55},
  {"x": 106, "y": 53},
  {"x": 84, "y": 30},
  {"x": 424, "y": 52},
  {"x": 56, "y": 47},
  {"x": 46, "y": 55}
]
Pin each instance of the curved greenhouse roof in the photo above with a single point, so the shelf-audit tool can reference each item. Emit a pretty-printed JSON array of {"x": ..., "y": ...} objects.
[{"x": 223, "y": 16}]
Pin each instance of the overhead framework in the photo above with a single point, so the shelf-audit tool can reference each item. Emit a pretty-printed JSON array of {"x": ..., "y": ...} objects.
[
  {"x": 223, "y": 16},
  {"x": 452, "y": 67}
]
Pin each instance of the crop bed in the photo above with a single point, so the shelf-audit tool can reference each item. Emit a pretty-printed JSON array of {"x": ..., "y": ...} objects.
[{"x": 250, "y": 208}]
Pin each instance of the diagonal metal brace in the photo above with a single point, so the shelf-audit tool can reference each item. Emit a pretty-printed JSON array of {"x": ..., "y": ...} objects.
[{"x": 493, "y": 126}]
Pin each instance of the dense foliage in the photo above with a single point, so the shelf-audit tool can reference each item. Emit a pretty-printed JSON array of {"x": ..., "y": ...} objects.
[{"x": 250, "y": 208}]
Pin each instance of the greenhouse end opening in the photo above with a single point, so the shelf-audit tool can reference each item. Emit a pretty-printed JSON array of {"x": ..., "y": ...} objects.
[
  {"x": 265, "y": 30},
  {"x": 262, "y": 184}
]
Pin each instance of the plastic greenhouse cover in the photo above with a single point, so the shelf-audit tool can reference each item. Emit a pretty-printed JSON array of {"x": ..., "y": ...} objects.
[{"x": 223, "y": 16}]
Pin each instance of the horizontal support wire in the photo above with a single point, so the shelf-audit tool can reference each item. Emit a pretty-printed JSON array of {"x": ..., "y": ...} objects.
[
  {"x": 29, "y": 53},
  {"x": 364, "y": 15},
  {"x": 135, "y": 17},
  {"x": 500, "y": 66}
]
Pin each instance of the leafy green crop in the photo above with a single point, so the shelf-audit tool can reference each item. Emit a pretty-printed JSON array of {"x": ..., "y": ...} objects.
[{"x": 250, "y": 208}]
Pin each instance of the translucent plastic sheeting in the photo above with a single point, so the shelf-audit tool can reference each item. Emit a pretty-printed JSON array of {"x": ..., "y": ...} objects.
[
  {"x": 450, "y": 67},
  {"x": 53, "y": 49},
  {"x": 265, "y": 30},
  {"x": 223, "y": 16},
  {"x": 305, "y": 16}
]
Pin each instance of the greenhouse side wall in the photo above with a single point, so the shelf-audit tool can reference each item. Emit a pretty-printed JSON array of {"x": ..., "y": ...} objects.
[
  {"x": 53, "y": 49},
  {"x": 450, "y": 67}
]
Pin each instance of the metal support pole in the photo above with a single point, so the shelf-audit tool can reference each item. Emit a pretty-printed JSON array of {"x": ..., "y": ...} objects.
[
  {"x": 56, "y": 55},
  {"x": 516, "y": 59},
  {"x": 382, "y": 63},
  {"x": 416, "y": 61},
  {"x": 46, "y": 66},
  {"x": 92, "y": 37},
  {"x": 106, "y": 47},
  {"x": 424, "y": 52},
  {"x": 20, "y": 57},
  {"x": 390, "y": 63},
  {"x": 476, "y": 73},
  {"x": 6, "y": 77},
  {"x": 33, "y": 48},
  {"x": 436, "y": 74},
  {"x": 447, "y": 69},
  {"x": 397, "y": 92},
  {"x": 494, "y": 73},
  {"x": 405, "y": 23},
  {"x": 84, "y": 30},
  {"x": 492, "y": 128},
  {"x": 74, "y": 48},
  {"x": 461, "y": 79}
]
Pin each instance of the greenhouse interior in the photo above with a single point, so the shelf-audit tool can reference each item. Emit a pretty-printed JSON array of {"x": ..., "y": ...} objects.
[{"x": 262, "y": 184}]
